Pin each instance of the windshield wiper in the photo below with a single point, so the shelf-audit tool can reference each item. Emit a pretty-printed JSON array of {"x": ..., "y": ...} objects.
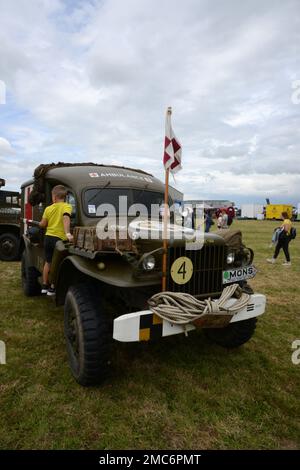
[{"x": 98, "y": 192}]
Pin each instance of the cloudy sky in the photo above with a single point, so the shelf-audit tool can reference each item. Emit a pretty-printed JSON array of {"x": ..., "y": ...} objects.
[{"x": 90, "y": 80}]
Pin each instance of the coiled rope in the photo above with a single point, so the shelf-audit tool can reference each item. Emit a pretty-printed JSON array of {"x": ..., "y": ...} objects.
[{"x": 182, "y": 308}]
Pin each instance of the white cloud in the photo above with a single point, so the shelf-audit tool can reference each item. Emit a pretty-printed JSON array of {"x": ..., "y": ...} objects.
[
  {"x": 91, "y": 81},
  {"x": 5, "y": 148}
]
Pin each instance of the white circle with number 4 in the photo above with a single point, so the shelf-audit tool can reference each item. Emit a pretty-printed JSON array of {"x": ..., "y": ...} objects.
[{"x": 182, "y": 270}]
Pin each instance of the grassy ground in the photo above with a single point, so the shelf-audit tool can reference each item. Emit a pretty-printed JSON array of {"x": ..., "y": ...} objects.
[{"x": 179, "y": 393}]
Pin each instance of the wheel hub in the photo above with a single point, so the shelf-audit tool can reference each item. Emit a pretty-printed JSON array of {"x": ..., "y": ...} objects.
[
  {"x": 7, "y": 247},
  {"x": 72, "y": 334}
]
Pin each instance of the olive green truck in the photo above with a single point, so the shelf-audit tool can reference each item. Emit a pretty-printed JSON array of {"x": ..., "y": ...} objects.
[{"x": 105, "y": 283}]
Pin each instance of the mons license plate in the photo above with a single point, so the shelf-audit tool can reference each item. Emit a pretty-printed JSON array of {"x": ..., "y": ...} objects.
[{"x": 238, "y": 274}]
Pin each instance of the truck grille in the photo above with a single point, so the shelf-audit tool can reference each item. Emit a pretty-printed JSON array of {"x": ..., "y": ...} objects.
[{"x": 208, "y": 264}]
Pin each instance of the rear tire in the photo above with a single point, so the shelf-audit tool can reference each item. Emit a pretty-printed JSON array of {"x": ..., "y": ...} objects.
[
  {"x": 88, "y": 333},
  {"x": 9, "y": 247},
  {"x": 30, "y": 284},
  {"x": 233, "y": 335}
]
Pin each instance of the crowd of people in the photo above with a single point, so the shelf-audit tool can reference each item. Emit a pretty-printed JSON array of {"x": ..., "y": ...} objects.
[{"x": 223, "y": 220}]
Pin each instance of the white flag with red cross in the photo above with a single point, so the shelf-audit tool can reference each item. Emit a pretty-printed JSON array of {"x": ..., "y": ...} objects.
[{"x": 172, "y": 151}]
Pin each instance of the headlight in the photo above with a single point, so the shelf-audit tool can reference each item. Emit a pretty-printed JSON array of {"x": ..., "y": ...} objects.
[
  {"x": 149, "y": 263},
  {"x": 247, "y": 255},
  {"x": 230, "y": 258}
]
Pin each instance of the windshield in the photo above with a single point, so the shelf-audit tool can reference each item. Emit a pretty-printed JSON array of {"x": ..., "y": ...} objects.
[{"x": 93, "y": 199}]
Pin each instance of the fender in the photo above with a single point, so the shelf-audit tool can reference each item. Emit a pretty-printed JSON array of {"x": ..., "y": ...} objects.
[
  {"x": 27, "y": 248},
  {"x": 117, "y": 272},
  {"x": 7, "y": 225}
]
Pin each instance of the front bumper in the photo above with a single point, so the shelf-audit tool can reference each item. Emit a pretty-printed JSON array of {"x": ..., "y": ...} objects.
[{"x": 144, "y": 325}]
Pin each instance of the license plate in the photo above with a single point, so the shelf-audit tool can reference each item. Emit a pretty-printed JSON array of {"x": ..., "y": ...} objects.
[{"x": 239, "y": 274}]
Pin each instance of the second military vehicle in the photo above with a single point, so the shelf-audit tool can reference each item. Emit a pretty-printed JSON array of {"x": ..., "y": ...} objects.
[
  {"x": 106, "y": 282},
  {"x": 10, "y": 212}
]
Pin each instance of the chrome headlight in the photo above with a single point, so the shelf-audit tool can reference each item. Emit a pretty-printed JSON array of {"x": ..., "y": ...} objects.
[
  {"x": 148, "y": 263},
  {"x": 230, "y": 257}
]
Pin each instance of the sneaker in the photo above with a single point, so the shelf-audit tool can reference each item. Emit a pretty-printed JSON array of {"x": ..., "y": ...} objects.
[
  {"x": 51, "y": 291},
  {"x": 287, "y": 263},
  {"x": 271, "y": 260},
  {"x": 44, "y": 289}
]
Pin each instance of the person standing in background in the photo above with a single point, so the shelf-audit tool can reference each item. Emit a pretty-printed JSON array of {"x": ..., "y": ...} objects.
[
  {"x": 283, "y": 241},
  {"x": 223, "y": 219},
  {"x": 208, "y": 221},
  {"x": 219, "y": 221}
]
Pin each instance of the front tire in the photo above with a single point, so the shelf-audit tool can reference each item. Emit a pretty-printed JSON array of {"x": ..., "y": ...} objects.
[
  {"x": 9, "y": 247},
  {"x": 88, "y": 334},
  {"x": 233, "y": 335}
]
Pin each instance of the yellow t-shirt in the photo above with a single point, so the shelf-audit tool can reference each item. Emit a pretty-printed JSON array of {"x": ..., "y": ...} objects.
[
  {"x": 54, "y": 215},
  {"x": 289, "y": 224}
]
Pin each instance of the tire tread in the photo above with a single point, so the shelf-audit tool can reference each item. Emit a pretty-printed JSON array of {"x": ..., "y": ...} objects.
[{"x": 97, "y": 335}]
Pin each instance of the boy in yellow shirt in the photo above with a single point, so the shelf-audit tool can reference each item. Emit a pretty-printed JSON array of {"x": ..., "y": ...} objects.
[{"x": 56, "y": 219}]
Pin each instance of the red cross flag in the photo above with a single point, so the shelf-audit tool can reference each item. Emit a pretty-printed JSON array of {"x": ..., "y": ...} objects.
[{"x": 172, "y": 152}]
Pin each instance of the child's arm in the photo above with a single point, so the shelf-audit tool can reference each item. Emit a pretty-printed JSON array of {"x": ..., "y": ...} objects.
[
  {"x": 43, "y": 223},
  {"x": 67, "y": 222}
]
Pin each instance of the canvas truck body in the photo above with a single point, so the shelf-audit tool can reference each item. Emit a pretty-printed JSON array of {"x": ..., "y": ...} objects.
[{"x": 105, "y": 283}]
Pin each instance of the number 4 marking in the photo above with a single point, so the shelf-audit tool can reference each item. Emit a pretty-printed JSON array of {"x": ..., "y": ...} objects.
[{"x": 182, "y": 270}]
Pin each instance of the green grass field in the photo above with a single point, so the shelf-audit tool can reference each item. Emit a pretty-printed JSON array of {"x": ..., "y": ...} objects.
[{"x": 180, "y": 393}]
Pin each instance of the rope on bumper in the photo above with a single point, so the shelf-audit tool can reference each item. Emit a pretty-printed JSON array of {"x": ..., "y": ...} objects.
[{"x": 181, "y": 308}]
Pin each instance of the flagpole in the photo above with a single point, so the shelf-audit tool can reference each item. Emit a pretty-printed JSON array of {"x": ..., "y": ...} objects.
[{"x": 165, "y": 224}]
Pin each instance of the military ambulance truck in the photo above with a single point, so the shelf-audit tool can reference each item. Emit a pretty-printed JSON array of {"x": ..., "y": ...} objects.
[{"x": 109, "y": 285}]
